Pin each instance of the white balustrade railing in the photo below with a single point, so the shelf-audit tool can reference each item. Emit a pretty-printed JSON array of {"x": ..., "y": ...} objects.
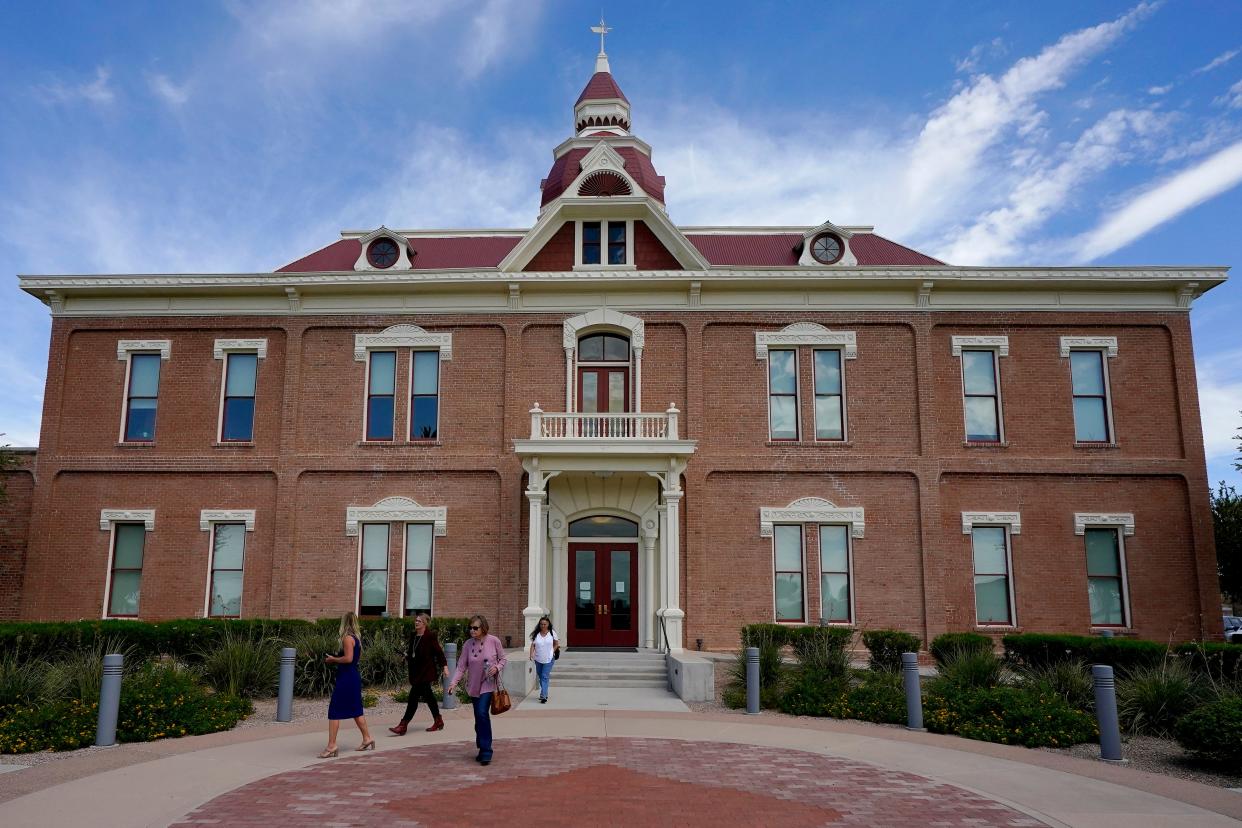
[{"x": 629, "y": 426}]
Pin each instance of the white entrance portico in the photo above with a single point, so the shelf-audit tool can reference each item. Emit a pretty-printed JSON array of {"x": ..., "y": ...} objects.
[{"x": 632, "y": 471}]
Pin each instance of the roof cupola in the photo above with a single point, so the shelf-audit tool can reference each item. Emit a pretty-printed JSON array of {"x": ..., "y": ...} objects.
[{"x": 602, "y": 106}]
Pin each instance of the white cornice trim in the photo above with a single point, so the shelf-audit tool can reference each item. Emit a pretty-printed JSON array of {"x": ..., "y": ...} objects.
[
  {"x": 451, "y": 232},
  {"x": 1011, "y": 519},
  {"x": 107, "y": 517},
  {"x": 812, "y": 510},
  {"x": 806, "y": 333},
  {"x": 1087, "y": 520},
  {"x": 403, "y": 336},
  {"x": 209, "y": 516},
  {"x": 603, "y": 317},
  {"x": 1095, "y": 343},
  {"x": 397, "y": 510},
  {"x": 762, "y": 230},
  {"x": 223, "y": 346},
  {"x": 125, "y": 347},
  {"x": 998, "y": 343}
]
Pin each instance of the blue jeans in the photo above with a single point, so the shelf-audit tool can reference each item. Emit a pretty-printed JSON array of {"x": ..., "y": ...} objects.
[
  {"x": 544, "y": 671},
  {"x": 483, "y": 724}
]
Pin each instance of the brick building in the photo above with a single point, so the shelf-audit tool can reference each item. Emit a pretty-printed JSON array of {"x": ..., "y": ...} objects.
[{"x": 652, "y": 432}]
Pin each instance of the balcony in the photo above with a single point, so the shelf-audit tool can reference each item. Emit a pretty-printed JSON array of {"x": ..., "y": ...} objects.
[{"x": 629, "y": 434}]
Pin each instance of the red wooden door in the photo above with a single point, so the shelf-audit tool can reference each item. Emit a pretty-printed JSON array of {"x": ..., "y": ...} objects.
[
  {"x": 603, "y": 606},
  {"x": 603, "y": 390}
]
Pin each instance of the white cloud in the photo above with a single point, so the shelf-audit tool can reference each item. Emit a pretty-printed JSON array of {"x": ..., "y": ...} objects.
[
  {"x": 493, "y": 29},
  {"x": 97, "y": 91},
  {"x": 970, "y": 63},
  {"x": 1160, "y": 90},
  {"x": 955, "y": 137},
  {"x": 1220, "y": 402},
  {"x": 172, "y": 94},
  {"x": 1218, "y": 61},
  {"x": 1231, "y": 99},
  {"x": 1165, "y": 201}
]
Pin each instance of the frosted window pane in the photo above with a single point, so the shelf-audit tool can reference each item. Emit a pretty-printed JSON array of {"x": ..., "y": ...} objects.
[
  {"x": 125, "y": 589},
  {"x": 789, "y": 597},
  {"x": 383, "y": 371},
  {"x": 230, "y": 543},
  {"x": 1090, "y": 422},
  {"x": 782, "y": 377},
  {"x": 788, "y": 548},
  {"x": 836, "y": 597},
  {"x": 374, "y": 589},
  {"x": 418, "y": 590},
  {"x": 226, "y": 593},
  {"x": 1105, "y": 596},
  {"x": 992, "y": 599},
  {"x": 1087, "y": 369},
  {"x": 981, "y": 419},
  {"x": 827, "y": 372},
  {"x": 1102, "y": 552},
  {"x": 828, "y": 418},
  {"x": 989, "y": 544},
  {"x": 977, "y": 372},
  {"x": 375, "y": 546},
  {"x": 129, "y": 540},
  {"x": 426, "y": 372},
  {"x": 144, "y": 375},
  {"x": 418, "y": 545},
  {"x": 784, "y": 413},
  {"x": 241, "y": 374},
  {"x": 833, "y": 548}
]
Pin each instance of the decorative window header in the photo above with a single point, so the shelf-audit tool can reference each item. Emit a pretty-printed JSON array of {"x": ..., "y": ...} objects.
[
  {"x": 1090, "y": 520},
  {"x": 1011, "y": 519},
  {"x": 1000, "y": 344},
  {"x": 403, "y": 336},
  {"x": 806, "y": 333},
  {"x": 1109, "y": 343},
  {"x": 209, "y": 516},
  {"x": 107, "y": 517},
  {"x": 397, "y": 510},
  {"x": 603, "y": 318},
  {"x": 812, "y": 510},
  {"x": 125, "y": 347},
  {"x": 223, "y": 346}
]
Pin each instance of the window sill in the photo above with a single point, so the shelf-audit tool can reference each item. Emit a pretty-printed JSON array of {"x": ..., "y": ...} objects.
[
  {"x": 828, "y": 444},
  {"x": 997, "y": 628},
  {"x": 982, "y": 444},
  {"x": 1120, "y": 632},
  {"x": 398, "y": 444},
  {"x": 133, "y": 445},
  {"x": 1079, "y": 445},
  {"x": 233, "y": 444},
  {"x": 581, "y": 268}
]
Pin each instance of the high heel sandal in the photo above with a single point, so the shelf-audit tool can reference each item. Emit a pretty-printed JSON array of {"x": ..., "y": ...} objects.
[
  {"x": 369, "y": 745},
  {"x": 329, "y": 754}
]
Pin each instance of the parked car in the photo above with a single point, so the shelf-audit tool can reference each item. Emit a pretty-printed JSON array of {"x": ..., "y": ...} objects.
[{"x": 1233, "y": 629}]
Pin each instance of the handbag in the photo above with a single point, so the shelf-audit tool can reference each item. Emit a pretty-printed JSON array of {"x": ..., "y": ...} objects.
[
  {"x": 556, "y": 649},
  {"x": 500, "y": 699}
]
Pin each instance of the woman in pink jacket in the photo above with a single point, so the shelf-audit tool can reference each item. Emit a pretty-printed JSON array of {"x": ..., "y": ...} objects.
[{"x": 481, "y": 661}]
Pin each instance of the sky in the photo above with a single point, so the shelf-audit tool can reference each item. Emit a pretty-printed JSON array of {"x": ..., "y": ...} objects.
[{"x": 235, "y": 136}]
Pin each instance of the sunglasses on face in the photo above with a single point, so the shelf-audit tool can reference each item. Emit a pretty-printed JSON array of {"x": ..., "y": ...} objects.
[{"x": 473, "y": 629}]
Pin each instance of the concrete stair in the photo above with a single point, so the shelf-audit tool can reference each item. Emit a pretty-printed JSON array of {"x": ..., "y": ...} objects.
[{"x": 584, "y": 668}]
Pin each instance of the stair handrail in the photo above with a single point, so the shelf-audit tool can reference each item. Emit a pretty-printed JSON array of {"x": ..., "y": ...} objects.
[{"x": 664, "y": 631}]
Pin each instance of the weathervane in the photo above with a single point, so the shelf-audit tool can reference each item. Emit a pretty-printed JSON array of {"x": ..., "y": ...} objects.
[{"x": 601, "y": 30}]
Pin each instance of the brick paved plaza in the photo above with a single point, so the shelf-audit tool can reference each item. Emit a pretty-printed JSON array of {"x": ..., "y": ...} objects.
[{"x": 598, "y": 781}]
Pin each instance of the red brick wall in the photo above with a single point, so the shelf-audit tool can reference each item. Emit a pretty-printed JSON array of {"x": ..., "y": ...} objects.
[
  {"x": 649, "y": 252},
  {"x": 15, "y": 532},
  {"x": 904, "y": 462},
  {"x": 557, "y": 254}
]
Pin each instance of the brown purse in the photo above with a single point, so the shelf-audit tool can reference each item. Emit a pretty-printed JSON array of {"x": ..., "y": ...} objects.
[{"x": 500, "y": 697}]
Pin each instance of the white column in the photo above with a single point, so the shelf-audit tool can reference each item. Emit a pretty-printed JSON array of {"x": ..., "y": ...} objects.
[
  {"x": 638, "y": 380},
  {"x": 560, "y": 585},
  {"x": 569, "y": 381},
  {"x": 535, "y": 553},
  {"x": 673, "y": 615},
  {"x": 647, "y": 630}
]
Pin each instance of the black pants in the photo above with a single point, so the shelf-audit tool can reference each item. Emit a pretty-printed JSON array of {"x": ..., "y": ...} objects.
[{"x": 420, "y": 692}]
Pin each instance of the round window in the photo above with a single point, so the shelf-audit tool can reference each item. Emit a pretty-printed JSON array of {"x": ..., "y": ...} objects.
[
  {"x": 383, "y": 253},
  {"x": 827, "y": 248}
]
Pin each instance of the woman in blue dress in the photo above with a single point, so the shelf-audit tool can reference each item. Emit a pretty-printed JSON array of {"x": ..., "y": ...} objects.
[{"x": 346, "y": 702}]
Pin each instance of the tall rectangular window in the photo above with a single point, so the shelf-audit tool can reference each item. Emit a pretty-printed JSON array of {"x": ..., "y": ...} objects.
[
  {"x": 382, "y": 379},
  {"x": 373, "y": 578},
  {"x": 1090, "y": 397},
  {"x": 125, "y": 582},
  {"x": 981, "y": 396},
  {"x": 141, "y": 397},
  {"x": 616, "y": 242},
  {"x": 991, "y": 550},
  {"x": 834, "y": 573},
  {"x": 591, "y": 239},
  {"x": 1105, "y": 581},
  {"x": 787, "y": 541},
  {"x": 237, "y": 418},
  {"x": 425, "y": 395},
  {"x": 829, "y": 410},
  {"x": 783, "y": 394},
  {"x": 419, "y": 544},
  {"x": 228, "y": 550}
]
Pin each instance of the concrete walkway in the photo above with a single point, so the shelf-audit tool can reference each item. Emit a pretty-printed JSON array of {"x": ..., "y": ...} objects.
[
  {"x": 160, "y": 783},
  {"x": 647, "y": 699}
]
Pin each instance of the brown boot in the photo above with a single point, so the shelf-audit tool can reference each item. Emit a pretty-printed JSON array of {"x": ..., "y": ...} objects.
[
  {"x": 400, "y": 729},
  {"x": 438, "y": 724}
]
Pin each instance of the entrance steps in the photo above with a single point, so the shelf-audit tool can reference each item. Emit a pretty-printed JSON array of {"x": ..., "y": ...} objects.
[{"x": 584, "y": 668}]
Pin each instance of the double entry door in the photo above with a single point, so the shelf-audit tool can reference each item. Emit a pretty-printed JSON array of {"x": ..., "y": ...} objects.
[{"x": 603, "y": 608}]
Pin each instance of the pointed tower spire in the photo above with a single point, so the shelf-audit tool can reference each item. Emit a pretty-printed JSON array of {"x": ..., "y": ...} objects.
[
  {"x": 602, "y": 105},
  {"x": 601, "y": 60}
]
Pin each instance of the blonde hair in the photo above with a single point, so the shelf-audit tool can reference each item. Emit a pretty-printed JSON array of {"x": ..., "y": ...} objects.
[
  {"x": 425, "y": 618},
  {"x": 350, "y": 625},
  {"x": 483, "y": 627}
]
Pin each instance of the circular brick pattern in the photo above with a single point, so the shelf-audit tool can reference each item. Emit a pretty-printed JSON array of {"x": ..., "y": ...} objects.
[{"x": 598, "y": 781}]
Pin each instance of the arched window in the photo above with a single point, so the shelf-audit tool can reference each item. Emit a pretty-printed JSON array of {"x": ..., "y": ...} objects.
[
  {"x": 603, "y": 526},
  {"x": 603, "y": 374}
]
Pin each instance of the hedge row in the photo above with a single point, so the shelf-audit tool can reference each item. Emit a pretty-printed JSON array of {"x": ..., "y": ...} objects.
[
  {"x": 1040, "y": 650},
  {"x": 188, "y": 638}
]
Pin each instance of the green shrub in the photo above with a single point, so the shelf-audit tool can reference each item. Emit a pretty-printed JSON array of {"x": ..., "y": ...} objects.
[
  {"x": 1068, "y": 680},
  {"x": 1214, "y": 731},
  {"x": 880, "y": 697},
  {"x": 1150, "y": 700},
  {"x": 947, "y": 645},
  {"x": 822, "y": 651},
  {"x": 769, "y": 638},
  {"x": 403, "y": 696},
  {"x": 369, "y": 699},
  {"x": 382, "y": 663},
  {"x": 1009, "y": 715},
  {"x": 78, "y": 674},
  {"x": 22, "y": 681},
  {"x": 886, "y": 647},
  {"x": 61, "y": 725},
  {"x": 313, "y": 676},
  {"x": 163, "y": 700},
  {"x": 241, "y": 665},
  {"x": 970, "y": 668},
  {"x": 810, "y": 694},
  {"x": 1043, "y": 649},
  {"x": 1220, "y": 662}
]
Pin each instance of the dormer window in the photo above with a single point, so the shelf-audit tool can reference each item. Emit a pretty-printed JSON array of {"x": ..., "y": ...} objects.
[
  {"x": 605, "y": 244},
  {"x": 383, "y": 253},
  {"x": 827, "y": 248}
]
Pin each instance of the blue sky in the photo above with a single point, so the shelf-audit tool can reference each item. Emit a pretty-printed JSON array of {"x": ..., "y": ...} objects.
[{"x": 238, "y": 136}]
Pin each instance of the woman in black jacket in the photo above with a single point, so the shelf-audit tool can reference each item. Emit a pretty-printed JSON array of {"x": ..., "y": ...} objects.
[{"x": 425, "y": 659}]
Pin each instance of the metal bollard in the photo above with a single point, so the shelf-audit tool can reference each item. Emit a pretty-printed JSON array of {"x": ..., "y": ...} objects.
[
  {"x": 752, "y": 681},
  {"x": 1106, "y": 713},
  {"x": 450, "y": 655},
  {"x": 109, "y": 700},
  {"x": 914, "y": 691},
  {"x": 284, "y": 694}
]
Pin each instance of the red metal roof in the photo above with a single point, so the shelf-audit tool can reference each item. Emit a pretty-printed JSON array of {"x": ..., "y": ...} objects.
[
  {"x": 601, "y": 86},
  {"x": 637, "y": 166},
  {"x": 779, "y": 249},
  {"x": 430, "y": 254}
]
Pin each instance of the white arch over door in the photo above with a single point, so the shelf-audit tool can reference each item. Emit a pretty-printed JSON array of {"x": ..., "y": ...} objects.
[{"x": 602, "y": 319}]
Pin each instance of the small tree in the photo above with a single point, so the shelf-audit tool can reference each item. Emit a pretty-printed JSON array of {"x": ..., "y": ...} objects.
[{"x": 1227, "y": 520}]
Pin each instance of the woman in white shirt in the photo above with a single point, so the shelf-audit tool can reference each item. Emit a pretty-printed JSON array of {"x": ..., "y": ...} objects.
[{"x": 545, "y": 646}]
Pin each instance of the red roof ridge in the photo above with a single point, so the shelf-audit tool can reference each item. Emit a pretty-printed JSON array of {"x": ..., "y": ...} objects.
[{"x": 601, "y": 86}]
